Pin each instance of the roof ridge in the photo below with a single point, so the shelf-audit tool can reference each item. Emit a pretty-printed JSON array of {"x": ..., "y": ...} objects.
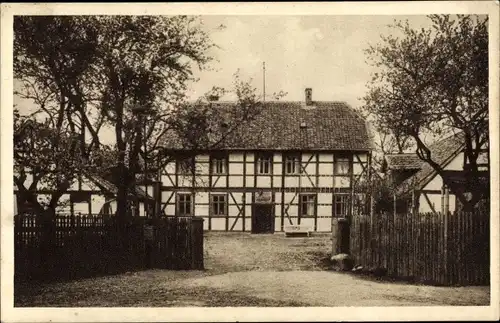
[
  {"x": 332, "y": 125},
  {"x": 279, "y": 101},
  {"x": 400, "y": 154}
]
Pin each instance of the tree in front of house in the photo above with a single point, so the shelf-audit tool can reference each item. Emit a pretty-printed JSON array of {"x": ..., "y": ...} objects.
[
  {"x": 434, "y": 81},
  {"x": 53, "y": 59},
  {"x": 127, "y": 74}
]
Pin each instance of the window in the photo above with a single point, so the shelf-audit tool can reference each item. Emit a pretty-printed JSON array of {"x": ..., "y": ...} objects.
[
  {"x": 307, "y": 205},
  {"x": 219, "y": 165},
  {"x": 185, "y": 166},
  {"x": 292, "y": 164},
  {"x": 341, "y": 166},
  {"x": 184, "y": 204},
  {"x": 264, "y": 164},
  {"x": 341, "y": 205},
  {"x": 219, "y": 204}
]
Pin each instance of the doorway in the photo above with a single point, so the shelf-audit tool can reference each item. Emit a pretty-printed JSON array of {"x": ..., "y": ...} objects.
[{"x": 262, "y": 218}]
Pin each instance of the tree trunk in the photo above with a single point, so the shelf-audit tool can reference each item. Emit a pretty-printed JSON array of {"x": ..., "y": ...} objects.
[
  {"x": 122, "y": 183},
  {"x": 48, "y": 237},
  {"x": 122, "y": 210}
]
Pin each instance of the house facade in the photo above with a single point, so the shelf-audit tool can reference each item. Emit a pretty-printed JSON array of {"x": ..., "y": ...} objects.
[
  {"x": 295, "y": 163},
  {"x": 427, "y": 190},
  {"x": 88, "y": 194}
]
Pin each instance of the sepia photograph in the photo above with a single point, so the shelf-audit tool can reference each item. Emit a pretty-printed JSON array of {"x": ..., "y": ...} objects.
[{"x": 249, "y": 159}]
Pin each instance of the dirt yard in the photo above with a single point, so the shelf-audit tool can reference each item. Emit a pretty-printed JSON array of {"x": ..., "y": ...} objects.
[{"x": 247, "y": 270}]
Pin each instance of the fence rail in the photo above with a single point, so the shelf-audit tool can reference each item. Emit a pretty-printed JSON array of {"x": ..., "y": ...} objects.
[
  {"x": 451, "y": 249},
  {"x": 85, "y": 245}
]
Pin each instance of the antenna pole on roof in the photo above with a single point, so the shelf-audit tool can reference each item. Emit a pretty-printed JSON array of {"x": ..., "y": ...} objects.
[{"x": 264, "y": 81}]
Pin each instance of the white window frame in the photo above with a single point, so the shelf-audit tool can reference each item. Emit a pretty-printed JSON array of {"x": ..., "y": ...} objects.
[
  {"x": 219, "y": 165},
  {"x": 292, "y": 161},
  {"x": 264, "y": 164},
  {"x": 338, "y": 161},
  {"x": 305, "y": 201}
]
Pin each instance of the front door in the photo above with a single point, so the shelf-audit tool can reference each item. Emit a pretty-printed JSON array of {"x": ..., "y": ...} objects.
[{"x": 262, "y": 218}]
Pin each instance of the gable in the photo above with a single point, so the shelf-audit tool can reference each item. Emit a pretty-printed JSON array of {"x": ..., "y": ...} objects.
[{"x": 442, "y": 152}]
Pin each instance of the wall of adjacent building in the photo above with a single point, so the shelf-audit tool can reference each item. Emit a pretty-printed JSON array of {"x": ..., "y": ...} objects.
[
  {"x": 81, "y": 186},
  {"x": 430, "y": 199}
]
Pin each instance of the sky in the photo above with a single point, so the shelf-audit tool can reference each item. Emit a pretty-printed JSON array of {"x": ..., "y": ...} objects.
[{"x": 325, "y": 53}]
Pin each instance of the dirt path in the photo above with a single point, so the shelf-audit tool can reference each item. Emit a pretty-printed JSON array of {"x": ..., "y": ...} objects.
[
  {"x": 322, "y": 288},
  {"x": 247, "y": 270}
]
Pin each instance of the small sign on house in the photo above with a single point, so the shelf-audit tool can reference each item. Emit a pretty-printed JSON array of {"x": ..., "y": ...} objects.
[{"x": 263, "y": 197}]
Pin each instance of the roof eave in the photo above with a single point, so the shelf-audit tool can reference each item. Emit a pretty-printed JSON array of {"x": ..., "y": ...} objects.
[{"x": 433, "y": 174}]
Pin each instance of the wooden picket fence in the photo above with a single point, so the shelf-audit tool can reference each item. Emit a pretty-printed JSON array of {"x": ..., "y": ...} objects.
[
  {"x": 451, "y": 249},
  {"x": 68, "y": 247},
  {"x": 177, "y": 243}
]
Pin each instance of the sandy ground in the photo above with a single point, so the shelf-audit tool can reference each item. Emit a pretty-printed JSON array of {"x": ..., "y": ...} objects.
[
  {"x": 247, "y": 270},
  {"x": 324, "y": 288}
]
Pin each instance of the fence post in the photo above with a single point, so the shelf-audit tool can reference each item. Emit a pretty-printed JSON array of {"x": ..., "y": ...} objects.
[
  {"x": 442, "y": 199},
  {"x": 340, "y": 236},
  {"x": 157, "y": 198},
  {"x": 335, "y": 236},
  {"x": 446, "y": 199},
  {"x": 413, "y": 203},
  {"x": 394, "y": 206},
  {"x": 445, "y": 246},
  {"x": 372, "y": 225},
  {"x": 344, "y": 235},
  {"x": 196, "y": 236},
  {"x": 48, "y": 239}
]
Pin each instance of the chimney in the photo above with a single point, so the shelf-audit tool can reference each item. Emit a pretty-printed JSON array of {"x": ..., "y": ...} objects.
[
  {"x": 309, "y": 96},
  {"x": 213, "y": 98}
]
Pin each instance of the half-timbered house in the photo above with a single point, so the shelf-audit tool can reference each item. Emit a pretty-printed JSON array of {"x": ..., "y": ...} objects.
[
  {"x": 88, "y": 194},
  {"x": 295, "y": 163},
  {"x": 423, "y": 188}
]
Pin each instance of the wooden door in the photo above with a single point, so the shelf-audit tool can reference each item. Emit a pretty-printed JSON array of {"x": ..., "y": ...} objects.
[{"x": 262, "y": 218}]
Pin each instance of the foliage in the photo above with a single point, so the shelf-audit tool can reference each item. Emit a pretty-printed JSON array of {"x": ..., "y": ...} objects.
[
  {"x": 124, "y": 73},
  {"x": 380, "y": 191},
  {"x": 434, "y": 81},
  {"x": 52, "y": 73}
]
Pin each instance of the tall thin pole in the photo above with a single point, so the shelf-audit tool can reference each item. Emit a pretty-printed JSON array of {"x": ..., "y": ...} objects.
[
  {"x": 146, "y": 204},
  {"x": 264, "y": 81}
]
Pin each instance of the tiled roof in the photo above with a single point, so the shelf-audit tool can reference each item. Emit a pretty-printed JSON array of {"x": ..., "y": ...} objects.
[
  {"x": 284, "y": 125},
  {"x": 442, "y": 152},
  {"x": 403, "y": 162},
  {"x": 111, "y": 188}
]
